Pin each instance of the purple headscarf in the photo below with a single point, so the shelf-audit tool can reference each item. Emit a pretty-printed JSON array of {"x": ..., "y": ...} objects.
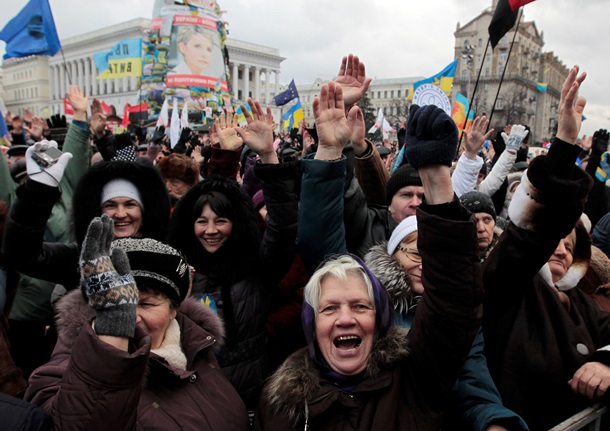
[{"x": 384, "y": 319}]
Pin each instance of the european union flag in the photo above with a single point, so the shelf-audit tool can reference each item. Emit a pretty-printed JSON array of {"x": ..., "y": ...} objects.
[
  {"x": 286, "y": 96},
  {"x": 31, "y": 32}
]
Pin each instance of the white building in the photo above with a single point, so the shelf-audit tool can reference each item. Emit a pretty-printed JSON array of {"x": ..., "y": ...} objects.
[
  {"x": 40, "y": 82},
  {"x": 389, "y": 94}
]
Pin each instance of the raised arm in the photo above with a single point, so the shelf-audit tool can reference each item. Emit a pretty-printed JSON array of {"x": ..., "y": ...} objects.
[{"x": 321, "y": 231}]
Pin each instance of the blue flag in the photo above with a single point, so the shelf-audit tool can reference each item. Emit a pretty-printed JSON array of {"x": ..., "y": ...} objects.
[
  {"x": 3, "y": 128},
  {"x": 443, "y": 79},
  {"x": 286, "y": 96},
  {"x": 31, "y": 32}
]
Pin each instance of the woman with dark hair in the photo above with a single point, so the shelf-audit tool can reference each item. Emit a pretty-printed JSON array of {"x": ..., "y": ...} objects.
[{"x": 215, "y": 226}]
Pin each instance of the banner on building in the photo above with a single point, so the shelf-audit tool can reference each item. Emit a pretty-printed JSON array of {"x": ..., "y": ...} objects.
[
  {"x": 184, "y": 57},
  {"x": 124, "y": 59}
]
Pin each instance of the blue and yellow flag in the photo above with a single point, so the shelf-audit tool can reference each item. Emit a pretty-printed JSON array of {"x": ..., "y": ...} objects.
[
  {"x": 31, "y": 32},
  {"x": 294, "y": 116},
  {"x": 286, "y": 96},
  {"x": 541, "y": 86},
  {"x": 443, "y": 79},
  {"x": 124, "y": 59}
]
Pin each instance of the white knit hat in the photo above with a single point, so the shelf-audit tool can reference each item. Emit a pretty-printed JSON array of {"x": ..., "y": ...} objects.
[
  {"x": 407, "y": 226},
  {"x": 121, "y": 188}
]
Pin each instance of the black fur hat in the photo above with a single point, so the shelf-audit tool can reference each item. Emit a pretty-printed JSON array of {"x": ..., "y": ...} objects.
[{"x": 86, "y": 203}]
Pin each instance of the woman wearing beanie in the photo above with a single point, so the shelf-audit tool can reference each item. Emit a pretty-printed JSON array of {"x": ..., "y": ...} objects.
[
  {"x": 132, "y": 194},
  {"x": 133, "y": 352},
  {"x": 215, "y": 226},
  {"x": 475, "y": 402}
]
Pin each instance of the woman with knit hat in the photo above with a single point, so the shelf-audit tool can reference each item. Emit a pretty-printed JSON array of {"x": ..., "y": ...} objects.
[
  {"x": 215, "y": 226},
  {"x": 133, "y": 352}
]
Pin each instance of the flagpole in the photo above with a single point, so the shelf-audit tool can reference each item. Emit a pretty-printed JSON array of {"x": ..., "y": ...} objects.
[
  {"x": 493, "y": 107},
  {"x": 476, "y": 85},
  {"x": 66, "y": 67}
]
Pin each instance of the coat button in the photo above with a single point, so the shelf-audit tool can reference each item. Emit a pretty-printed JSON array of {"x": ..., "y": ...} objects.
[
  {"x": 582, "y": 349},
  {"x": 208, "y": 337},
  {"x": 193, "y": 378}
]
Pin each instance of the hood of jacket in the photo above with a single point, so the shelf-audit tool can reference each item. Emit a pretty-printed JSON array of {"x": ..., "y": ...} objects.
[
  {"x": 73, "y": 312},
  {"x": 394, "y": 278},
  {"x": 580, "y": 263},
  {"x": 298, "y": 380}
]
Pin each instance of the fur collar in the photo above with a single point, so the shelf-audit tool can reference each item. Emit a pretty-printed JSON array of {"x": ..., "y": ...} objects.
[
  {"x": 73, "y": 312},
  {"x": 298, "y": 380},
  {"x": 391, "y": 274}
]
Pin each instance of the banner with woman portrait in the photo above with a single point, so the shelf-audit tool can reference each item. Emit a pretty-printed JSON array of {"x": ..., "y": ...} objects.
[{"x": 185, "y": 58}]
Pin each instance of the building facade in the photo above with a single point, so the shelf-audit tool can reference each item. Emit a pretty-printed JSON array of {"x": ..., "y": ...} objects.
[
  {"x": 523, "y": 64},
  {"x": 39, "y": 83},
  {"x": 388, "y": 94}
]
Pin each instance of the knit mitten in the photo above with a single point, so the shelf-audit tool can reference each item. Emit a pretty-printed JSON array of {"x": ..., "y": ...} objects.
[
  {"x": 124, "y": 148},
  {"x": 106, "y": 281},
  {"x": 432, "y": 137},
  {"x": 517, "y": 135}
]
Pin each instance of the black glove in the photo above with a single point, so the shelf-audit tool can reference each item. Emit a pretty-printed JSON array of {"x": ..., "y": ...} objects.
[
  {"x": 185, "y": 137},
  {"x": 57, "y": 122},
  {"x": 105, "y": 145},
  {"x": 432, "y": 137},
  {"x": 159, "y": 134},
  {"x": 600, "y": 142},
  {"x": 124, "y": 148}
]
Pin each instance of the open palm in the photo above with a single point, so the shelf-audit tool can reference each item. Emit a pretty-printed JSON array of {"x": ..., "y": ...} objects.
[{"x": 259, "y": 133}]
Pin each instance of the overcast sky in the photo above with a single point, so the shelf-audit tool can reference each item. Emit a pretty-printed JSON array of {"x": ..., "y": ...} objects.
[{"x": 394, "y": 38}]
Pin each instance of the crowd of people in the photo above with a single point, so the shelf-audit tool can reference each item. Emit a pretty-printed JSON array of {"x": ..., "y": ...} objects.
[{"x": 244, "y": 279}]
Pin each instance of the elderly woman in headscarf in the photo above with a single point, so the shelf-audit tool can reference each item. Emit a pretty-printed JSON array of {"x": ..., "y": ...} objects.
[
  {"x": 361, "y": 372},
  {"x": 132, "y": 351}
]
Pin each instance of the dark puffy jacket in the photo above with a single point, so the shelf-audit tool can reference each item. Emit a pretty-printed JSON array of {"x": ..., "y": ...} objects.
[
  {"x": 90, "y": 385},
  {"x": 238, "y": 280}
]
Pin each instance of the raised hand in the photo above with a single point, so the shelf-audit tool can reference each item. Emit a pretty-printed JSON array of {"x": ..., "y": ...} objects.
[
  {"x": 78, "y": 101},
  {"x": 517, "y": 134},
  {"x": 259, "y": 133},
  {"x": 224, "y": 126},
  {"x": 352, "y": 79},
  {"x": 51, "y": 175},
  {"x": 98, "y": 119},
  {"x": 107, "y": 282},
  {"x": 36, "y": 128},
  {"x": 358, "y": 134},
  {"x": 599, "y": 143},
  {"x": 571, "y": 107},
  {"x": 476, "y": 137},
  {"x": 334, "y": 128}
]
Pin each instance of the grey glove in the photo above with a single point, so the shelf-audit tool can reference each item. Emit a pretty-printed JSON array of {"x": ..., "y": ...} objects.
[
  {"x": 106, "y": 281},
  {"x": 51, "y": 175},
  {"x": 517, "y": 135}
]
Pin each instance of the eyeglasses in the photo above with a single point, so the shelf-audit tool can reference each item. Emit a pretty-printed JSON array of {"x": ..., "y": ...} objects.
[{"x": 411, "y": 253}]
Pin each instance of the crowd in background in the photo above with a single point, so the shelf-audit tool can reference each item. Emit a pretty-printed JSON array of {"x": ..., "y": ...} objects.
[{"x": 245, "y": 278}]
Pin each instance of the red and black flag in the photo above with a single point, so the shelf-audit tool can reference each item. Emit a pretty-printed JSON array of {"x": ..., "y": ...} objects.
[{"x": 504, "y": 19}]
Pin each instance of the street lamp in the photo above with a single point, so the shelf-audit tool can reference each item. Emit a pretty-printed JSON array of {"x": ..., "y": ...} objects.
[{"x": 468, "y": 56}]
